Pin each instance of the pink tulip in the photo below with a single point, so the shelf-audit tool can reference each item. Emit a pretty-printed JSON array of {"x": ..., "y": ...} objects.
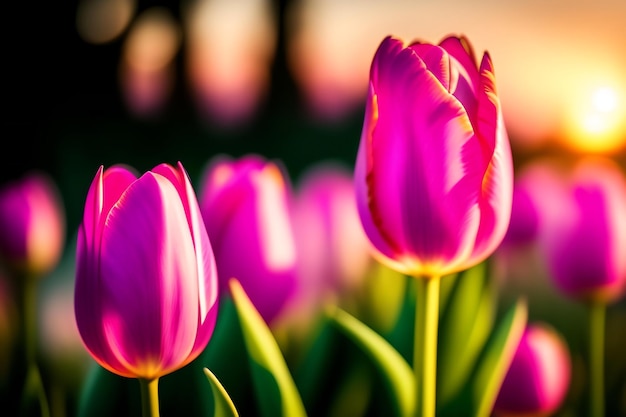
[
  {"x": 584, "y": 230},
  {"x": 245, "y": 203},
  {"x": 32, "y": 224},
  {"x": 524, "y": 224},
  {"x": 146, "y": 285},
  {"x": 333, "y": 251},
  {"x": 539, "y": 375},
  {"x": 434, "y": 173}
]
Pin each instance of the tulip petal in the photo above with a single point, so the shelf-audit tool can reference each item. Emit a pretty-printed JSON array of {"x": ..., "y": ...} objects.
[
  {"x": 437, "y": 62},
  {"x": 206, "y": 268},
  {"x": 461, "y": 50},
  {"x": 362, "y": 173},
  {"x": 87, "y": 287}
]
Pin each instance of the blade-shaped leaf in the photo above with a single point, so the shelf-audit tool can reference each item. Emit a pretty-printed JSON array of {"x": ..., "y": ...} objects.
[
  {"x": 224, "y": 406},
  {"x": 277, "y": 392},
  {"x": 34, "y": 398},
  {"x": 392, "y": 365},
  {"x": 481, "y": 389},
  {"x": 465, "y": 323}
]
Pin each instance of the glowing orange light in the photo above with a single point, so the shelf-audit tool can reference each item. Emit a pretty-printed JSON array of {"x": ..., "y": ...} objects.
[{"x": 598, "y": 122}]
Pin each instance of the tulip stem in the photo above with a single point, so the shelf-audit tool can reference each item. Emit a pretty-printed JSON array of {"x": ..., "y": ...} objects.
[
  {"x": 149, "y": 397},
  {"x": 597, "y": 317},
  {"x": 29, "y": 316},
  {"x": 425, "y": 346}
]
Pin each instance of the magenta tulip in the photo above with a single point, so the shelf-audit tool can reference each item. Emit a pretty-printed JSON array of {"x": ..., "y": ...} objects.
[
  {"x": 32, "y": 221},
  {"x": 245, "y": 203},
  {"x": 524, "y": 224},
  {"x": 146, "y": 286},
  {"x": 333, "y": 251},
  {"x": 434, "y": 173},
  {"x": 584, "y": 231},
  {"x": 539, "y": 375}
]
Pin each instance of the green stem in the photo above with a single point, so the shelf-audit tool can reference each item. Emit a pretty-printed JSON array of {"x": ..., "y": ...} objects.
[
  {"x": 33, "y": 391},
  {"x": 425, "y": 346},
  {"x": 597, "y": 317},
  {"x": 149, "y": 397},
  {"x": 28, "y": 311}
]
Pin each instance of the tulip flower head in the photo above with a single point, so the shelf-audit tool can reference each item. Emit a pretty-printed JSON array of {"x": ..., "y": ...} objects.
[
  {"x": 539, "y": 375},
  {"x": 434, "y": 176},
  {"x": 32, "y": 221},
  {"x": 584, "y": 231},
  {"x": 524, "y": 224},
  {"x": 333, "y": 251},
  {"x": 245, "y": 204},
  {"x": 146, "y": 286}
]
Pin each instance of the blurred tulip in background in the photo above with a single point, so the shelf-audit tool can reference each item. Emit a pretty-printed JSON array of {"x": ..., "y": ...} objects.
[
  {"x": 32, "y": 220},
  {"x": 333, "y": 251},
  {"x": 538, "y": 379},
  {"x": 584, "y": 232},
  {"x": 246, "y": 206}
]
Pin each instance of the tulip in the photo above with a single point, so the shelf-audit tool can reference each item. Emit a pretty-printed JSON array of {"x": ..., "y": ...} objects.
[
  {"x": 583, "y": 239},
  {"x": 517, "y": 260},
  {"x": 434, "y": 172},
  {"x": 333, "y": 252},
  {"x": 434, "y": 177},
  {"x": 32, "y": 237},
  {"x": 32, "y": 221},
  {"x": 245, "y": 204},
  {"x": 538, "y": 378},
  {"x": 146, "y": 286},
  {"x": 584, "y": 232},
  {"x": 524, "y": 224}
]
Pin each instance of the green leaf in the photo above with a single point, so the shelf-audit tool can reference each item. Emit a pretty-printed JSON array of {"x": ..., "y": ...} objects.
[
  {"x": 276, "y": 390},
  {"x": 465, "y": 323},
  {"x": 392, "y": 365},
  {"x": 481, "y": 389},
  {"x": 34, "y": 400},
  {"x": 224, "y": 406},
  {"x": 234, "y": 374}
]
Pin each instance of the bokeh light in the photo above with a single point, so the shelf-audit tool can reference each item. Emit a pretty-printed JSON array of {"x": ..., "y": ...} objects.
[
  {"x": 102, "y": 21},
  {"x": 146, "y": 70},
  {"x": 230, "y": 45},
  {"x": 543, "y": 52}
]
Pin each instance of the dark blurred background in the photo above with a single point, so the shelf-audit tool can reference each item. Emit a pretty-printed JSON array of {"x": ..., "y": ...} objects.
[
  {"x": 66, "y": 111},
  {"x": 98, "y": 82}
]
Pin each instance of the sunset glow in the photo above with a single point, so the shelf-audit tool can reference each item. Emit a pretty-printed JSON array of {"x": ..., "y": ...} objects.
[{"x": 596, "y": 122}]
